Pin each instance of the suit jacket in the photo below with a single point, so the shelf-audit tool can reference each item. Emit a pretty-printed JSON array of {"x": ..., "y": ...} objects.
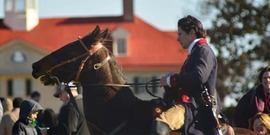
[
  {"x": 70, "y": 121},
  {"x": 200, "y": 68}
]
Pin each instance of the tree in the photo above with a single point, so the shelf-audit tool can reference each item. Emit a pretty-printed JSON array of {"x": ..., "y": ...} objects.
[{"x": 241, "y": 35}]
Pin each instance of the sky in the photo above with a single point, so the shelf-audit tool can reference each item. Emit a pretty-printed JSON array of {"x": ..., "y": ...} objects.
[{"x": 162, "y": 14}]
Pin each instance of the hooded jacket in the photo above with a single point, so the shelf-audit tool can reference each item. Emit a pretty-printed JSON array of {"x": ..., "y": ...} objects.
[{"x": 23, "y": 124}]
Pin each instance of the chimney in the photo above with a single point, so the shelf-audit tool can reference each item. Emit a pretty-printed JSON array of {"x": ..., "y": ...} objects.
[{"x": 128, "y": 10}]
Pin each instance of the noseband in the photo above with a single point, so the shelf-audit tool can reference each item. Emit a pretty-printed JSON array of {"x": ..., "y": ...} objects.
[{"x": 89, "y": 53}]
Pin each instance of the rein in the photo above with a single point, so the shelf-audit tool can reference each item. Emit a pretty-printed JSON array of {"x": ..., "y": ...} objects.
[{"x": 150, "y": 83}]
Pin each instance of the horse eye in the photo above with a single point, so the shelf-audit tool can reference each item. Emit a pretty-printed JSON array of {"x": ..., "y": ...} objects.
[{"x": 90, "y": 64}]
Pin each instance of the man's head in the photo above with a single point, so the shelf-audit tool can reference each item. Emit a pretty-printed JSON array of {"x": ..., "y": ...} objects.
[
  {"x": 62, "y": 93},
  {"x": 17, "y": 102},
  {"x": 264, "y": 78},
  {"x": 29, "y": 107},
  {"x": 189, "y": 29},
  {"x": 35, "y": 95}
]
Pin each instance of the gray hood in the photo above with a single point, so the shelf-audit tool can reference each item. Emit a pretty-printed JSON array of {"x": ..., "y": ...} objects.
[{"x": 27, "y": 107}]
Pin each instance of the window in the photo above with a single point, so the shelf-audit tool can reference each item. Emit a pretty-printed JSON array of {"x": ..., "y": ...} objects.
[
  {"x": 8, "y": 5},
  {"x": 10, "y": 87},
  {"x": 120, "y": 41},
  {"x": 19, "y": 87},
  {"x": 20, "y": 5},
  {"x": 18, "y": 57},
  {"x": 141, "y": 89},
  {"x": 121, "y": 46},
  {"x": 28, "y": 87}
]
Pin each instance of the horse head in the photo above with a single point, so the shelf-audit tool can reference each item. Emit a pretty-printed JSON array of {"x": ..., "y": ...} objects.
[{"x": 63, "y": 64}]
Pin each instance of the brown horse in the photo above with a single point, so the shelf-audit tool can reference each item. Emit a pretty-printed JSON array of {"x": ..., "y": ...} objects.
[{"x": 110, "y": 107}]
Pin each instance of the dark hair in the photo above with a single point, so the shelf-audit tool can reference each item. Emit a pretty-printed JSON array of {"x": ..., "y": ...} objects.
[
  {"x": 265, "y": 69},
  {"x": 189, "y": 23},
  {"x": 49, "y": 118},
  {"x": 35, "y": 94},
  {"x": 17, "y": 102}
]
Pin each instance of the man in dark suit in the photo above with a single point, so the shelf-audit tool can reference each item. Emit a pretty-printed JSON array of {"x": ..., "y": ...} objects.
[
  {"x": 188, "y": 110},
  {"x": 71, "y": 116}
]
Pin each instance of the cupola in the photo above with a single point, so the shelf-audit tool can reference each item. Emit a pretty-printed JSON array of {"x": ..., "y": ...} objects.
[{"x": 21, "y": 15}]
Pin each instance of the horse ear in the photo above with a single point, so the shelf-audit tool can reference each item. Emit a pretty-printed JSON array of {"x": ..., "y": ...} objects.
[
  {"x": 96, "y": 31},
  {"x": 104, "y": 34}
]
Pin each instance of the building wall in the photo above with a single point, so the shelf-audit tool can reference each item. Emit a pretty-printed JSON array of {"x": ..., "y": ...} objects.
[{"x": 19, "y": 71}]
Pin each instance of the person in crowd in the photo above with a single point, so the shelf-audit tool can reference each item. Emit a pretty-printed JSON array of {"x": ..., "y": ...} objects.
[
  {"x": 49, "y": 118},
  {"x": 196, "y": 78},
  {"x": 7, "y": 105},
  {"x": 71, "y": 118},
  {"x": 1, "y": 110},
  {"x": 260, "y": 123},
  {"x": 26, "y": 123},
  {"x": 10, "y": 118},
  {"x": 35, "y": 95},
  {"x": 254, "y": 101}
]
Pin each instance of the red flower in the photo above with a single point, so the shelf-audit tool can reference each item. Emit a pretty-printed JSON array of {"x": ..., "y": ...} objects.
[{"x": 185, "y": 99}]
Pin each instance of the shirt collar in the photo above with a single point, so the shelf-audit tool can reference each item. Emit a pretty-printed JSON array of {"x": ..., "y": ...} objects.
[{"x": 192, "y": 44}]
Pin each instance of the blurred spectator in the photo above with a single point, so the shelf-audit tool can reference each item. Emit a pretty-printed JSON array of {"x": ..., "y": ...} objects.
[
  {"x": 7, "y": 105},
  {"x": 35, "y": 95},
  {"x": 10, "y": 118},
  {"x": 260, "y": 123},
  {"x": 49, "y": 118},
  {"x": 254, "y": 101},
  {"x": 27, "y": 122},
  {"x": 1, "y": 110},
  {"x": 71, "y": 119}
]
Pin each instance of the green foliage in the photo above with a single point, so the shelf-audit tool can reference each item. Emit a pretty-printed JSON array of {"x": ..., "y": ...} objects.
[{"x": 241, "y": 35}]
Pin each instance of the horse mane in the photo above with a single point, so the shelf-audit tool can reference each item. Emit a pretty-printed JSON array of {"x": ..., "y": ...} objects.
[
  {"x": 108, "y": 74},
  {"x": 111, "y": 72}
]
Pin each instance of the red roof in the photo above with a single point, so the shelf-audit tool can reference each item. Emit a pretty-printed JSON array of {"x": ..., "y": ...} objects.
[{"x": 148, "y": 47}]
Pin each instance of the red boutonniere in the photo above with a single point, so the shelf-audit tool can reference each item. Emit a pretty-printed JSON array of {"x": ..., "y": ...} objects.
[{"x": 185, "y": 98}]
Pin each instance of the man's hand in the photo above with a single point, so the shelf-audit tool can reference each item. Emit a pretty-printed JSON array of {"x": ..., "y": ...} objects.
[{"x": 165, "y": 80}]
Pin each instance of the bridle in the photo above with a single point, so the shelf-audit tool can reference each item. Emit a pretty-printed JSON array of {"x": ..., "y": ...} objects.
[
  {"x": 97, "y": 66},
  {"x": 88, "y": 53}
]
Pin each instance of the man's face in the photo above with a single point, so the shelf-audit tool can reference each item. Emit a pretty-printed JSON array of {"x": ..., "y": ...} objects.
[
  {"x": 185, "y": 39},
  {"x": 64, "y": 96},
  {"x": 33, "y": 115},
  {"x": 266, "y": 81}
]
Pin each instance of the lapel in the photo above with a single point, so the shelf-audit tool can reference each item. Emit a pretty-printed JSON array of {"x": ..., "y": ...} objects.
[{"x": 198, "y": 44}]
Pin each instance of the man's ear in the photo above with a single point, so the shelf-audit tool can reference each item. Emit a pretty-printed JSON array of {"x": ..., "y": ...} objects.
[{"x": 192, "y": 32}]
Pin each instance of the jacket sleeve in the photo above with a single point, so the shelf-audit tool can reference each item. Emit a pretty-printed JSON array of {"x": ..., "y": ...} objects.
[
  {"x": 241, "y": 110},
  {"x": 1, "y": 111},
  {"x": 18, "y": 129},
  {"x": 73, "y": 118},
  {"x": 199, "y": 67}
]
